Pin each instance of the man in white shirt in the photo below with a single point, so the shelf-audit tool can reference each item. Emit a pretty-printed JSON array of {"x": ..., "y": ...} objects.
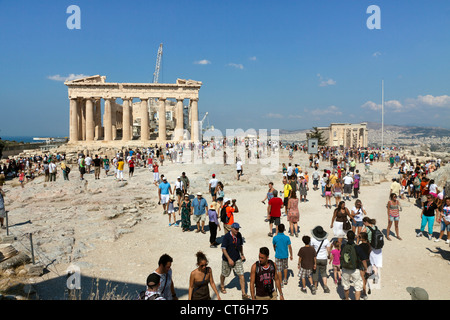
[
  {"x": 88, "y": 162},
  {"x": 348, "y": 184},
  {"x": 52, "y": 170},
  {"x": 212, "y": 186},
  {"x": 239, "y": 168}
]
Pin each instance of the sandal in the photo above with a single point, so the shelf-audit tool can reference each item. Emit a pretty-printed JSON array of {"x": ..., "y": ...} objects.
[
  {"x": 270, "y": 234},
  {"x": 246, "y": 297},
  {"x": 222, "y": 289}
]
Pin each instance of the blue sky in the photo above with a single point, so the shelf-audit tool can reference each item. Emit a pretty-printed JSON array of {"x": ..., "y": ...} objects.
[{"x": 264, "y": 64}]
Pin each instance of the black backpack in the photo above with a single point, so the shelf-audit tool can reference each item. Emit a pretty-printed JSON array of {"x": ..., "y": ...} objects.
[
  {"x": 223, "y": 215},
  {"x": 377, "y": 241}
]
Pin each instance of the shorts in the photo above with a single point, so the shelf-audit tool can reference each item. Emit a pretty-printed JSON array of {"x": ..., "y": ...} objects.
[
  {"x": 179, "y": 192},
  {"x": 164, "y": 198},
  {"x": 239, "y": 172},
  {"x": 315, "y": 182},
  {"x": 131, "y": 169},
  {"x": 347, "y": 188},
  {"x": 444, "y": 227},
  {"x": 337, "y": 194},
  {"x": 357, "y": 223},
  {"x": 238, "y": 268},
  {"x": 328, "y": 193},
  {"x": 350, "y": 277},
  {"x": 199, "y": 218},
  {"x": 155, "y": 176},
  {"x": 82, "y": 170},
  {"x": 213, "y": 192},
  {"x": 275, "y": 220},
  {"x": 304, "y": 273},
  {"x": 2, "y": 213},
  {"x": 285, "y": 202},
  {"x": 106, "y": 167},
  {"x": 391, "y": 218},
  {"x": 282, "y": 264},
  {"x": 97, "y": 170}
]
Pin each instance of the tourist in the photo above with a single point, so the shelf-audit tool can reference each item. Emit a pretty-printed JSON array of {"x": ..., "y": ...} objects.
[
  {"x": 106, "y": 165},
  {"x": 328, "y": 193},
  {"x": 428, "y": 216},
  {"x": 185, "y": 181},
  {"x": 358, "y": 212},
  {"x": 269, "y": 195},
  {"x": 306, "y": 264},
  {"x": 220, "y": 193},
  {"x": 321, "y": 245},
  {"x": 445, "y": 220},
  {"x": 212, "y": 186},
  {"x": 365, "y": 249},
  {"x": 264, "y": 278},
  {"x": 356, "y": 184},
  {"x": 179, "y": 190},
  {"x": 337, "y": 191},
  {"x": 65, "y": 170},
  {"x": 335, "y": 261},
  {"x": 22, "y": 178},
  {"x": 200, "y": 210},
  {"x": 283, "y": 250},
  {"x": 186, "y": 212},
  {"x": 131, "y": 165},
  {"x": 303, "y": 188},
  {"x": 155, "y": 172},
  {"x": 2, "y": 208},
  {"x": 351, "y": 257},
  {"x": 274, "y": 212},
  {"x": 323, "y": 183},
  {"x": 293, "y": 215},
  {"x": 151, "y": 293},
  {"x": 339, "y": 221},
  {"x": 171, "y": 211},
  {"x": 200, "y": 279},
  {"x": 393, "y": 211},
  {"x": 52, "y": 170},
  {"x": 233, "y": 258},
  {"x": 120, "y": 165},
  {"x": 82, "y": 167},
  {"x": 164, "y": 192},
  {"x": 287, "y": 191},
  {"x": 395, "y": 187},
  {"x": 376, "y": 253},
  {"x": 214, "y": 224},
  {"x": 348, "y": 185},
  {"x": 166, "y": 288},
  {"x": 239, "y": 168},
  {"x": 316, "y": 177},
  {"x": 97, "y": 166}
]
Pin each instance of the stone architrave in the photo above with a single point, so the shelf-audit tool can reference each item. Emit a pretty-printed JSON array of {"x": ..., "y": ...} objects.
[
  {"x": 162, "y": 119},
  {"x": 144, "y": 120}
]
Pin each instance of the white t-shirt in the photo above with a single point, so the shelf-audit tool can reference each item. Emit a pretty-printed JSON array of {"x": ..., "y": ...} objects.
[
  {"x": 348, "y": 180},
  {"x": 322, "y": 254},
  {"x": 88, "y": 161},
  {"x": 359, "y": 214},
  {"x": 164, "y": 284},
  {"x": 179, "y": 185},
  {"x": 51, "y": 167},
  {"x": 239, "y": 165},
  {"x": 432, "y": 188},
  {"x": 213, "y": 182}
]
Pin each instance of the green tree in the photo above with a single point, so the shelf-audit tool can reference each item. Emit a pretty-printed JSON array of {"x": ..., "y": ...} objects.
[{"x": 316, "y": 133}]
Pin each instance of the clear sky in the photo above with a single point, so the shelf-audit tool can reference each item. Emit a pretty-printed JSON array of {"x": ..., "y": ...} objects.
[{"x": 264, "y": 64}]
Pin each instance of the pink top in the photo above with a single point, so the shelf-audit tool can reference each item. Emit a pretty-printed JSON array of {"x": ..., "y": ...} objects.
[{"x": 336, "y": 257}]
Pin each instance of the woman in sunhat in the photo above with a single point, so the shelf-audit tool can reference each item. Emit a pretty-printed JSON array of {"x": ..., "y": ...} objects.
[{"x": 320, "y": 243}]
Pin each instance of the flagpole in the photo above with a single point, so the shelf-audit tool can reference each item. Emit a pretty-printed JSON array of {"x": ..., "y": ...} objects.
[{"x": 382, "y": 114}]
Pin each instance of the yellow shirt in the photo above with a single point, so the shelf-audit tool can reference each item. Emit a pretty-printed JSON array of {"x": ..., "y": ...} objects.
[
  {"x": 287, "y": 188},
  {"x": 333, "y": 179},
  {"x": 120, "y": 165}
]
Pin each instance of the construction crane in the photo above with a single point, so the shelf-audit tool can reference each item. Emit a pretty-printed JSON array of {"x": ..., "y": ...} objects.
[{"x": 156, "y": 75}]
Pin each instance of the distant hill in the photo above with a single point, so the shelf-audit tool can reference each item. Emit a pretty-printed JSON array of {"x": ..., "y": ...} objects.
[{"x": 416, "y": 131}]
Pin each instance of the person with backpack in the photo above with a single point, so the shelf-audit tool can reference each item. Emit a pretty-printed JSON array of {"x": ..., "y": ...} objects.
[
  {"x": 151, "y": 293},
  {"x": 376, "y": 240},
  {"x": 264, "y": 278},
  {"x": 227, "y": 214},
  {"x": 351, "y": 259}
]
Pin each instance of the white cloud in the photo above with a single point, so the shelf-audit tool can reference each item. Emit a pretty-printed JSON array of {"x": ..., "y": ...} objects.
[
  {"x": 203, "y": 62},
  {"x": 273, "y": 116},
  {"x": 331, "y": 110},
  {"x": 70, "y": 77},
  {"x": 411, "y": 103},
  {"x": 252, "y": 59},
  {"x": 429, "y": 100},
  {"x": 295, "y": 116},
  {"x": 376, "y": 54},
  {"x": 327, "y": 82},
  {"x": 235, "y": 65}
]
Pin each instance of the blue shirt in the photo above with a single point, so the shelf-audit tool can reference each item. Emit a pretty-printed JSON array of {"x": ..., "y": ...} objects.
[
  {"x": 199, "y": 207},
  {"x": 281, "y": 242},
  {"x": 164, "y": 186}
]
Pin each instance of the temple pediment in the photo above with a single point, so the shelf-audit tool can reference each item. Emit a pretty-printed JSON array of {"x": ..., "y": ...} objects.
[{"x": 91, "y": 79}]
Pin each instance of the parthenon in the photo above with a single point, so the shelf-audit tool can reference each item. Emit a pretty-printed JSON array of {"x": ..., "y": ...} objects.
[{"x": 154, "y": 118}]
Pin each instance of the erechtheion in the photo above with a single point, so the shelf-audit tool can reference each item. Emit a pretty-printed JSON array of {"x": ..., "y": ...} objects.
[
  {"x": 346, "y": 135},
  {"x": 159, "y": 115}
]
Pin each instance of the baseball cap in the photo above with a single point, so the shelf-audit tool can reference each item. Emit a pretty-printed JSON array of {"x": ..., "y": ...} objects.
[
  {"x": 236, "y": 225},
  {"x": 417, "y": 293},
  {"x": 213, "y": 175},
  {"x": 153, "y": 279}
]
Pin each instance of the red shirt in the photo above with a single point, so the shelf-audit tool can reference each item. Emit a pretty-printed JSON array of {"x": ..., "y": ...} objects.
[
  {"x": 155, "y": 168},
  {"x": 275, "y": 207},
  {"x": 131, "y": 163}
]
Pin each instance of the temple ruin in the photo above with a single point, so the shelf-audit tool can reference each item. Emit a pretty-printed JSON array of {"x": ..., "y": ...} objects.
[
  {"x": 158, "y": 116},
  {"x": 346, "y": 135}
]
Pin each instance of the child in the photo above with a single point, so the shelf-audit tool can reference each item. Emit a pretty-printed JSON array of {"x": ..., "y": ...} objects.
[
  {"x": 171, "y": 211},
  {"x": 306, "y": 264},
  {"x": 21, "y": 177},
  {"x": 335, "y": 259}
]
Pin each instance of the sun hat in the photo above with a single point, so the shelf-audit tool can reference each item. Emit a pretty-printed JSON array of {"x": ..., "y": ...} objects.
[
  {"x": 417, "y": 293},
  {"x": 213, "y": 205},
  {"x": 199, "y": 193},
  {"x": 319, "y": 234},
  {"x": 226, "y": 200}
]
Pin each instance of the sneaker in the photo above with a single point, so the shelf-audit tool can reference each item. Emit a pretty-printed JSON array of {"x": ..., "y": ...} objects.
[
  {"x": 430, "y": 237},
  {"x": 447, "y": 241},
  {"x": 437, "y": 240},
  {"x": 419, "y": 234},
  {"x": 303, "y": 290},
  {"x": 313, "y": 290},
  {"x": 326, "y": 289}
]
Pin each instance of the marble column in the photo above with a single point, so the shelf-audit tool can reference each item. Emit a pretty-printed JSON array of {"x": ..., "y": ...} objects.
[
  {"x": 162, "y": 119},
  {"x": 73, "y": 120},
  {"x": 144, "y": 120},
  {"x": 107, "y": 120},
  {"x": 114, "y": 118},
  {"x": 195, "y": 126},
  {"x": 126, "y": 134},
  {"x": 179, "y": 117},
  {"x": 79, "y": 120},
  {"x": 98, "y": 119},
  {"x": 90, "y": 123},
  {"x": 83, "y": 119}
]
